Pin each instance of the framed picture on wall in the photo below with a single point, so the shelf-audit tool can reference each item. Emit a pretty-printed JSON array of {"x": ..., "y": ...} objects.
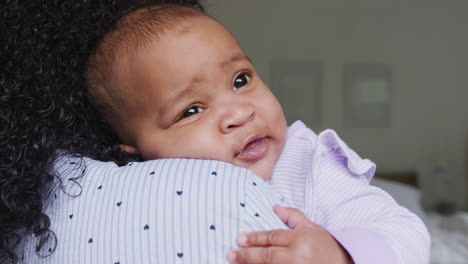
[
  {"x": 297, "y": 85},
  {"x": 367, "y": 90}
]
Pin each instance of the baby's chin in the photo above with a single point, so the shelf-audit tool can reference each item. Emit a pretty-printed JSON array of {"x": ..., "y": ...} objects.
[
  {"x": 263, "y": 172},
  {"x": 261, "y": 168}
]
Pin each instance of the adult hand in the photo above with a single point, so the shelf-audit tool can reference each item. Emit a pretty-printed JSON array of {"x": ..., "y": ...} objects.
[{"x": 307, "y": 242}]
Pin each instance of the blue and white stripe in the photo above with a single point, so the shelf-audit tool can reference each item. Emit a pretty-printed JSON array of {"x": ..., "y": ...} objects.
[{"x": 163, "y": 211}]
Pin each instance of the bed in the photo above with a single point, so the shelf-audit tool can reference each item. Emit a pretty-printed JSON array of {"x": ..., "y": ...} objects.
[{"x": 449, "y": 233}]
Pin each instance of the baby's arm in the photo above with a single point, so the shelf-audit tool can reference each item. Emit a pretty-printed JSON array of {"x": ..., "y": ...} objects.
[
  {"x": 364, "y": 219},
  {"x": 371, "y": 226},
  {"x": 324, "y": 178},
  {"x": 363, "y": 222}
]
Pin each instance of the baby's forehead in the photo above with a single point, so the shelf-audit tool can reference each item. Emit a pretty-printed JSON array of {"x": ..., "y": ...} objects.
[
  {"x": 155, "y": 21},
  {"x": 134, "y": 31},
  {"x": 142, "y": 29}
]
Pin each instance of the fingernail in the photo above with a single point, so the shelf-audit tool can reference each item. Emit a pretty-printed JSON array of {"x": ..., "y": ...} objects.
[
  {"x": 242, "y": 239},
  {"x": 231, "y": 256}
]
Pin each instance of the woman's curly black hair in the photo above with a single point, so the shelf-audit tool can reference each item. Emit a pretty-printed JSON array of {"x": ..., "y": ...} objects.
[{"x": 44, "y": 47}]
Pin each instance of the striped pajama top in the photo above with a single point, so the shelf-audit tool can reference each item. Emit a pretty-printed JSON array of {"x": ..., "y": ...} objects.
[{"x": 191, "y": 211}]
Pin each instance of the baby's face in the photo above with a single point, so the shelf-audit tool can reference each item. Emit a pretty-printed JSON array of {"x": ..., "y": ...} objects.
[{"x": 195, "y": 94}]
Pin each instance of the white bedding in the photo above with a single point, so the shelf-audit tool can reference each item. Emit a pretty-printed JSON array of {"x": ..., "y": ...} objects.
[
  {"x": 449, "y": 238},
  {"x": 449, "y": 234}
]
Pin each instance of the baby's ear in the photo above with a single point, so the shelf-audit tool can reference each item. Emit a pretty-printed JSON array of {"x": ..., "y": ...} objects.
[{"x": 129, "y": 149}]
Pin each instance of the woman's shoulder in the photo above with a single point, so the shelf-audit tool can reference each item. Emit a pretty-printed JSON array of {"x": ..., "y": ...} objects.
[{"x": 167, "y": 209}]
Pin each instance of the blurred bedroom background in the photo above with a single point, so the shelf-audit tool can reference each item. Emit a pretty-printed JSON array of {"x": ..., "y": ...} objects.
[{"x": 391, "y": 77}]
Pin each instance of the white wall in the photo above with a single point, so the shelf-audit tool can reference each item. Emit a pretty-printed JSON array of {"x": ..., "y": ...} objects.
[{"x": 426, "y": 43}]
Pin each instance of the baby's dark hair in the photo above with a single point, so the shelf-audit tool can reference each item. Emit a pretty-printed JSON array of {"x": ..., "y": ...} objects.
[
  {"x": 106, "y": 69},
  {"x": 44, "y": 108}
]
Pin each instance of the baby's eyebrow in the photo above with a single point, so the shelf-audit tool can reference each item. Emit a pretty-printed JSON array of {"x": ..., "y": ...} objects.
[{"x": 235, "y": 58}]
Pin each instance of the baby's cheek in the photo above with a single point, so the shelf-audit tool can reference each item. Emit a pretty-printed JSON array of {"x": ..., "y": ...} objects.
[
  {"x": 159, "y": 150},
  {"x": 196, "y": 147}
]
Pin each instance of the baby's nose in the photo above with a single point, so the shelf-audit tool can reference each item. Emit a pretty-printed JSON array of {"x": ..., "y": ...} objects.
[{"x": 236, "y": 116}]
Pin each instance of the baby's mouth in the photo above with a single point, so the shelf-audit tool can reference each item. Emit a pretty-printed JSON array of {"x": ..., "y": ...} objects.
[{"x": 254, "y": 150}]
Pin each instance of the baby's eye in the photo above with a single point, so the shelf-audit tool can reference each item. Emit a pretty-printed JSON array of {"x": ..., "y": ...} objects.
[
  {"x": 191, "y": 111},
  {"x": 240, "y": 80}
]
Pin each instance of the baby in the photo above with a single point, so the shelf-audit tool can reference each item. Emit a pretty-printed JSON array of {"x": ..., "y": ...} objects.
[
  {"x": 172, "y": 82},
  {"x": 182, "y": 87}
]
